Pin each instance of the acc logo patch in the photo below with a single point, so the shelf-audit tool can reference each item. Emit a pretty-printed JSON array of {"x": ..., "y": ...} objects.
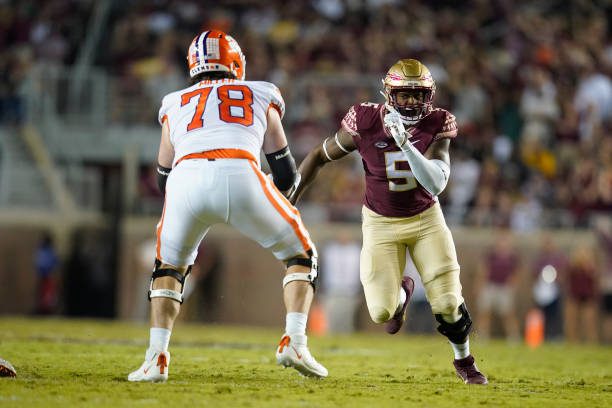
[{"x": 381, "y": 145}]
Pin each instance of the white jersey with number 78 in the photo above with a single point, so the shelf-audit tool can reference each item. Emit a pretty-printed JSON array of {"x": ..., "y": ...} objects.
[{"x": 219, "y": 114}]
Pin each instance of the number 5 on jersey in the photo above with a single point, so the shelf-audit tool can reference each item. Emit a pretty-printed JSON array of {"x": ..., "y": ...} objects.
[
  {"x": 239, "y": 97},
  {"x": 394, "y": 175}
]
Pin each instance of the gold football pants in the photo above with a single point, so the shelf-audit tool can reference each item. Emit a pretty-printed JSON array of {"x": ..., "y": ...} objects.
[{"x": 383, "y": 259}]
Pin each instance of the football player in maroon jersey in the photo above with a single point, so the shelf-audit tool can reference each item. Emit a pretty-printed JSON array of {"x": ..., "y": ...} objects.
[{"x": 404, "y": 145}]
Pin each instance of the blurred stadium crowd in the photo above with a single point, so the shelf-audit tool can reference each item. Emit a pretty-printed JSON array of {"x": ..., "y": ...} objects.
[{"x": 529, "y": 84}]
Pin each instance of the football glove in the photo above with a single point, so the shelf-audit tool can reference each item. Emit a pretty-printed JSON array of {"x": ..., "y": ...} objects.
[{"x": 394, "y": 124}]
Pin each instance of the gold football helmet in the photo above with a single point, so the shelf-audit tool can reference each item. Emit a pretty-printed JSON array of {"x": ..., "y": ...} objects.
[{"x": 413, "y": 81}]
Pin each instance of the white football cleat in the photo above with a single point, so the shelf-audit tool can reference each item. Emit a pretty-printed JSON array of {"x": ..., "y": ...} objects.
[
  {"x": 154, "y": 369},
  {"x": 293, "y": 352},
  {"x": 7, "y": 369}
]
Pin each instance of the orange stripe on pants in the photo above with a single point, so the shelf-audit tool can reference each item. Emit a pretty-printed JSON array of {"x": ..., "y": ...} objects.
[
  {"x": 160, "y": 224},
  {"x": 270, "y": 194}
]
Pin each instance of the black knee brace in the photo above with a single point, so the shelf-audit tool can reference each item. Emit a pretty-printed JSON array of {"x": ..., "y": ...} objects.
[
  {"x": 167, "y": 293},
  {"x": 310, "y": 262},
  {"x": 456, "y": 332}
]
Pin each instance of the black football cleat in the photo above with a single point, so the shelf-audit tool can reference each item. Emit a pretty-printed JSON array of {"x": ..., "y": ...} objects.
[
  {"x": 396, "y": 322},
  {"x": 468, "y": 372}
]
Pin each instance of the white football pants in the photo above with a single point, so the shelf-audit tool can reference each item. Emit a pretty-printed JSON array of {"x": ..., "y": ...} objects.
[{"x": 202, "y": 192}]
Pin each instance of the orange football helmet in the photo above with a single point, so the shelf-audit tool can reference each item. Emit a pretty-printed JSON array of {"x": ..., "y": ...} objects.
[
  {"x": 411, "y": 76},
  {"x": 215, "y": 51}
]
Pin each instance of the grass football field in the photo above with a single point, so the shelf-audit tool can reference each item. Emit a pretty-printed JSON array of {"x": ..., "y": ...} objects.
[{"x": 84, "y": 363}]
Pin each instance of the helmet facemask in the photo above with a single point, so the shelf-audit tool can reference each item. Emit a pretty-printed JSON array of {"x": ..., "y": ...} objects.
[{"x": 413, "y": 104}]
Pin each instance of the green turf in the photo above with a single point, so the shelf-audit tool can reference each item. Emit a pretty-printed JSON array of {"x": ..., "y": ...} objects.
[{"x": 66, "y": 363}]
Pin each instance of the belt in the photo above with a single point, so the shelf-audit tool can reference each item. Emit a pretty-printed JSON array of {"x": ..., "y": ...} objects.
[{"x": 219, "y": 154}]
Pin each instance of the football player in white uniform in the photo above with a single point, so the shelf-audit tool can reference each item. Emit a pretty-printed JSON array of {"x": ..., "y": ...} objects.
[{"x": 209, "y": 170}]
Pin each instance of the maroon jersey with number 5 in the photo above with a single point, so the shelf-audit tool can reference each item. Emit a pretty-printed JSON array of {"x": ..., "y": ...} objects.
[{"x": 391, "y": 189}]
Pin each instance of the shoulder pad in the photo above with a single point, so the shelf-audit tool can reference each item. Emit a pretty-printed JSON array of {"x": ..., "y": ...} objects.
[
  {"x": 361, "y": 117},
  {"x": 274, "y": 94},
  {"x": 448, "y": 124}
]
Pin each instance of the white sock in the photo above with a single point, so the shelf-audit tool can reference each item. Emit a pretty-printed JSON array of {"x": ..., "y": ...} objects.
[
  {"x": 402, "y": 299},
  {"x": 159, "y": 339},
  {"x": 295, "y": 323},
  {"x": 461, "y": 350}
]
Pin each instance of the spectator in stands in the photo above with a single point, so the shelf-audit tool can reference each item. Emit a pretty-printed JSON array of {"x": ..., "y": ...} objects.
[
  {"x": 539, "y": 107},
  {"x": 462, "y": 186},
  {"x": 471, "y": 102},
  {"x": 496, "y": 284},
  {"x": 503, "y": 66},
  {"x": 583, "y": 184},
  {"x": 526, "y": 213},
  {"x": 593, "y": 99}
]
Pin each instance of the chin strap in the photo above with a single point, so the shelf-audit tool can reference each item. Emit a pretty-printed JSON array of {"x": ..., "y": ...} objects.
[{"x": 390, "y": 108}]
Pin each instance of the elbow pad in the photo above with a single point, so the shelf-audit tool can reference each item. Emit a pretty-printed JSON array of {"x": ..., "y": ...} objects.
[
  {"x": 162, "y": 177},
  {"x": 282, "y": 166}
]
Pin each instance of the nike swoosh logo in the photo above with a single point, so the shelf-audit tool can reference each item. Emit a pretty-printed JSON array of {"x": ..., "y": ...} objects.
[
  {"x": 146, "y": 370},
  {"x": 299, "y": 356}
]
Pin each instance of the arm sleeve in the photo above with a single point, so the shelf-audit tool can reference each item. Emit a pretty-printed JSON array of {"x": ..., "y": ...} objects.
[
  {"x": 283, "y": 168},
  {"x": 162, "y": 177},
  {"x": 431, "y": 174}
]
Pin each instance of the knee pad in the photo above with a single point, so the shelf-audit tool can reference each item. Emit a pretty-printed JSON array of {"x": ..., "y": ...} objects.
[
  {"x": 310, "y": 277},
  {"x": 167, "y": 293},
  {"x": 379, "y": 314},
  {"x": 456, "y": 332}
]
